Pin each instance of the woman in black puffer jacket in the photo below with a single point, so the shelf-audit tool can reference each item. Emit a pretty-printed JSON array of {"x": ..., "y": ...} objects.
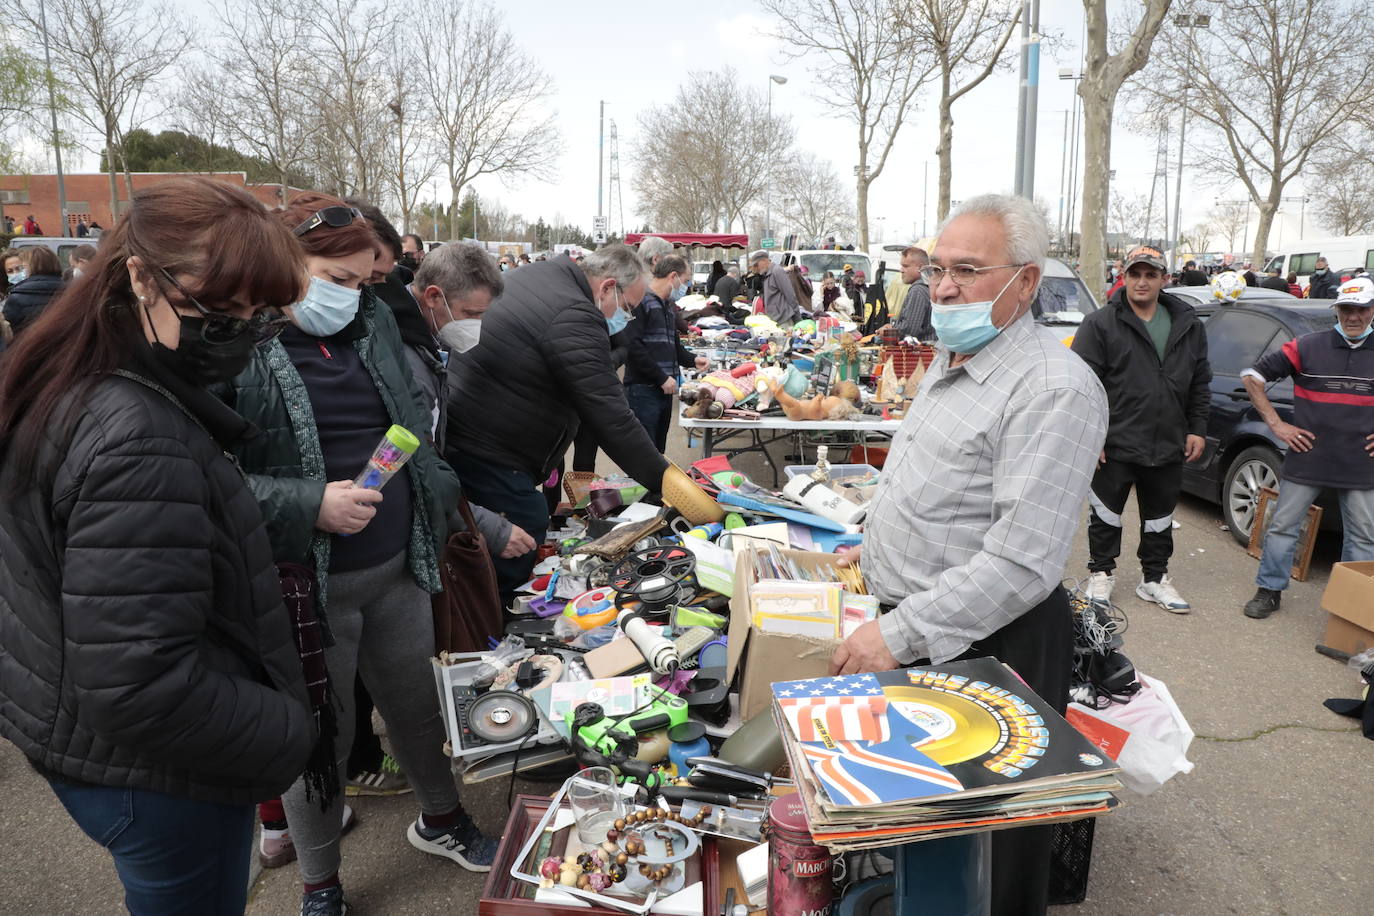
[
  {"x": 147, "y": 664},
  {"x": 42, "y": 281}
]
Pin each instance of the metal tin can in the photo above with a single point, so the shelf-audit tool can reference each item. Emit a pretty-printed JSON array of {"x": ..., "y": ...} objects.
[{"x": 800, "y": 879}]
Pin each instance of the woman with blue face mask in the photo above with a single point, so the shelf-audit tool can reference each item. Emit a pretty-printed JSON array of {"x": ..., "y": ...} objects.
[{"x": 324, "y": 394}]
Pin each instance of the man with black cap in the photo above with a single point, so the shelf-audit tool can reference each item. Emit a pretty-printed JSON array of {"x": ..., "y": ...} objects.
[
  {"x": 1150, "y": 353},
  {"x": 1329, "y": 443}
]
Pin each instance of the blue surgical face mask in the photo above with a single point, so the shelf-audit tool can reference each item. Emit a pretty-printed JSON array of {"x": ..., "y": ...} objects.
[
  {"x": 326, "y": 309},
  {"x": 1367, "y": 331},
  {"x": 616, "y": 323},
  {"x": 680, "y": 290},
  {"x": 966, "y": 327},
  {"x": 17, "y": 276}
]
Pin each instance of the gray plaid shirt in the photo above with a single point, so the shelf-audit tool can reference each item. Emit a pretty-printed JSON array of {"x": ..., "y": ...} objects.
[{"x": 981, "y": 495}]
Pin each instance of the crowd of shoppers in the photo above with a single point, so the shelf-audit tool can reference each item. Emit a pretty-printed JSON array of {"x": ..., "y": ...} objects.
[{"x": 201, "y": 608}]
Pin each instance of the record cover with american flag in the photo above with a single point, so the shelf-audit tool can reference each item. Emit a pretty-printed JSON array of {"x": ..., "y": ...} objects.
[{"x": 958, "y": 730}]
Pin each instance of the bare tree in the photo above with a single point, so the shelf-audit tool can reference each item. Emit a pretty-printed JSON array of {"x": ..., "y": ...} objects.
[
  {"x": 487, "y": 97},
  {"x": 1230, "y": 218},
  {"x": 201, "y": 109},
  {"x": 1104, "y": 73},
  {"x": 686, "y": 178},
  {"x": 108, "y": 54},
  {"x": 1196, "y": 239},
  {"x": 414, "y": 160},
  {"x": 870, "y": 60},
  {"x": 1126, "y": 217},
  {"x": 815, "y": 202},
  {"x": 1278, "y": 78},
  {"x": 352, "y": 150},
  {"x": 265, "y": 61},
  {"x": 968, "y": 39},
  {"x": 1341, "y": 178}
]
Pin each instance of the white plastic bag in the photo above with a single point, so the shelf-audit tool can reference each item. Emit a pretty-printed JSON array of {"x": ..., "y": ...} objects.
[{"x": 1148, "y": 737}]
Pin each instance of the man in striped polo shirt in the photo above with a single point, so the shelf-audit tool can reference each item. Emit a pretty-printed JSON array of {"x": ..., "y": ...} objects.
[{"x": 1330, "y": 443}]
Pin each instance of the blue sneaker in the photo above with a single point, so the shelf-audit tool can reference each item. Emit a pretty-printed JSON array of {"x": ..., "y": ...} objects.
[
  {"x": 328, "y": 901},
  {"x": 463, "y": 843}
]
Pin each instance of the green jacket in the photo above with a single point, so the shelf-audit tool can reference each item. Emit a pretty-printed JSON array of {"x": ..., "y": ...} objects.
[{"x": 285, "y": 466}]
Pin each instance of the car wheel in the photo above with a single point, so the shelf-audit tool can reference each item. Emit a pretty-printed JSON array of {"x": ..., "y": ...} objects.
[{"x": 1254, "y": 468}]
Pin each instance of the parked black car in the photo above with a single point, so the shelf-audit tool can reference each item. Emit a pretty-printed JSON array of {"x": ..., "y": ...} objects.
[{"x": 1242, "y": 455}]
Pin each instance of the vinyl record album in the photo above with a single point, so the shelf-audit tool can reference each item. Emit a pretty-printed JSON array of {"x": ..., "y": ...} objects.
[
  {"x": 961, "y": 729},
  {"x": 501, "y": 715}
]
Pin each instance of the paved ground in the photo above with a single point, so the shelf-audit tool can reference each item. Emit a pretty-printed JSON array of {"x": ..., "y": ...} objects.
[{"x": 1273, "y": 819}]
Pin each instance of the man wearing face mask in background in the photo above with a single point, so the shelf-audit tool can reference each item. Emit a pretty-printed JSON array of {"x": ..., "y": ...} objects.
[
  {"x": 1329, "y": 442},
  {"x": 541, "y": 369},
  {"x": 654, "y": 350},
  {"x": 967, "y": 535}
]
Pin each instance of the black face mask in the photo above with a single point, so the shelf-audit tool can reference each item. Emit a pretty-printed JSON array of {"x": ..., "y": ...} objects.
[{"x": 202, "y": 363}]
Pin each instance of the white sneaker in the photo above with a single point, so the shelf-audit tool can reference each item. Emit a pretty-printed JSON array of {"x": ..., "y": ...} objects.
[
  {"x": 1099, "y": 589},
  {"x": 1163, "y": 594}
]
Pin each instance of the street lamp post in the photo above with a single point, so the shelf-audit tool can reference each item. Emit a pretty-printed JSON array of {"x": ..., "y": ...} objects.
[
  {"x": 768, "y": 183},
  {"x": 1068, "y": 73},
  {"x": 1029, "y": 95},
  {"x": 1184, "y": 21}
]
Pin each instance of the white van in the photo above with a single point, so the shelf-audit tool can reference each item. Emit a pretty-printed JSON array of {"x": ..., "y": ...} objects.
[{"x": 1342, "y": 254}]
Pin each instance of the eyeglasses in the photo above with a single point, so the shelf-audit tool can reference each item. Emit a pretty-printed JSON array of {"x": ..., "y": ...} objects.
[
  {"x": 221, "y": 327},
  {"x": 334, "y": 217},
  {"x": 961, "y": 274}
]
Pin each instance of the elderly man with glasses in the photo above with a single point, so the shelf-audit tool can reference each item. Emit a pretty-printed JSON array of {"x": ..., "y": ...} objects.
[{"x": 970, "y": 528}]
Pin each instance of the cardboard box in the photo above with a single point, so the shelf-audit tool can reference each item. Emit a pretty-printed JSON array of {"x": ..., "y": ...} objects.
[
  {"x": 1349, "y": 600},
  {"x": 769, "y": 657}
]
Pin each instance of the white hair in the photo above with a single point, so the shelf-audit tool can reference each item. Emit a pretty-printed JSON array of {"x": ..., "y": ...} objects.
[
  {"x": 1028, "y": 237},
  {"x": 617, "y": 261},
  {"x": 654, "y": 247}
]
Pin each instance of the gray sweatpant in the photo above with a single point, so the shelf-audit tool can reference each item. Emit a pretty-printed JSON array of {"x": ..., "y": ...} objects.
[{"x": 384, "y": 631}]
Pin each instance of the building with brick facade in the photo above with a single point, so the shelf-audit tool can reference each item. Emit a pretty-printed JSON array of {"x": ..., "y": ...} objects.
[{"x": 88, "y": 196}]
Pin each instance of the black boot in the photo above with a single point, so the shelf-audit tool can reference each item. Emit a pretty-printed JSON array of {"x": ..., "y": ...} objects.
[{"x": 1265, "y": 602}]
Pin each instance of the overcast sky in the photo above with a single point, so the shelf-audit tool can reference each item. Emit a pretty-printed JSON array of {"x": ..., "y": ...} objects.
[{"x": 634, "y": 56}]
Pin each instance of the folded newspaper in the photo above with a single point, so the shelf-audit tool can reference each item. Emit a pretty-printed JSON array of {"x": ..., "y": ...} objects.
[{"x": 920, "y": 753}]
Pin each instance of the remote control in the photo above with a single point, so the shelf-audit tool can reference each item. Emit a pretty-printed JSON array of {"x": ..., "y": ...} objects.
[{"x": 689, "y": 643}]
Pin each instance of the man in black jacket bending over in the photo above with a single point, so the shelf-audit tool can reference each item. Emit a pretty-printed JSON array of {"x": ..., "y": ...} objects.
[
  {"x": 541, "y": 368},
  {"x": 1149, "y": 350}
]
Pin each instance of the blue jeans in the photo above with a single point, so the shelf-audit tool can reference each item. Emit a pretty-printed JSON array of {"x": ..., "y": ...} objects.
[
  {"x": 654, "y": 411},
  {"x": 515, "y": 495},
  {"x": 173, "y": 855},
  {"x": 1281, "y": 542}
]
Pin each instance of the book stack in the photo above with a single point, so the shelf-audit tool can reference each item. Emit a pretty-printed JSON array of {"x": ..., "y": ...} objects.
[{"x": 921, "y": 753}]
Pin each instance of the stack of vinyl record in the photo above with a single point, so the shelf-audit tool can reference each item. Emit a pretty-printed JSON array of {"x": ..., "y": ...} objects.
[{"x": 920, "y": 753}]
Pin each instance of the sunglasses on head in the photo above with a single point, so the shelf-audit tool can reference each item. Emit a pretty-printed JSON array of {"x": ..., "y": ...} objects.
[
  {"x": 221, "y": 327},
  {"x": 334, "y": 217}
]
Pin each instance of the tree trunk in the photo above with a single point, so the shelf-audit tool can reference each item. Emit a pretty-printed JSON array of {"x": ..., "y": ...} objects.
[
  {"x": 1267, "y": 209},
  {"x": 114, "y": 182},
  {"x": 455, "y": 211},
  {"x": 943, "y": 150},
  {"x": 283, "y": 187},
  {"x": 1097, "y": 161},
  {"x": 862, "y": 187}
]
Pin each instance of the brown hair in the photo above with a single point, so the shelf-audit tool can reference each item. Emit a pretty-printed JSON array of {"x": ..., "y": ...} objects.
[
  {"x": 326, "y": 241},
  {"x": 41, "y": 261},
  {"x": 206, "y": 229}
]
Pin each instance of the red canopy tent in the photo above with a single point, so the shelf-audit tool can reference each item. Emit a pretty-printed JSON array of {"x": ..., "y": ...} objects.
[{"x": 691, "y": 239}]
